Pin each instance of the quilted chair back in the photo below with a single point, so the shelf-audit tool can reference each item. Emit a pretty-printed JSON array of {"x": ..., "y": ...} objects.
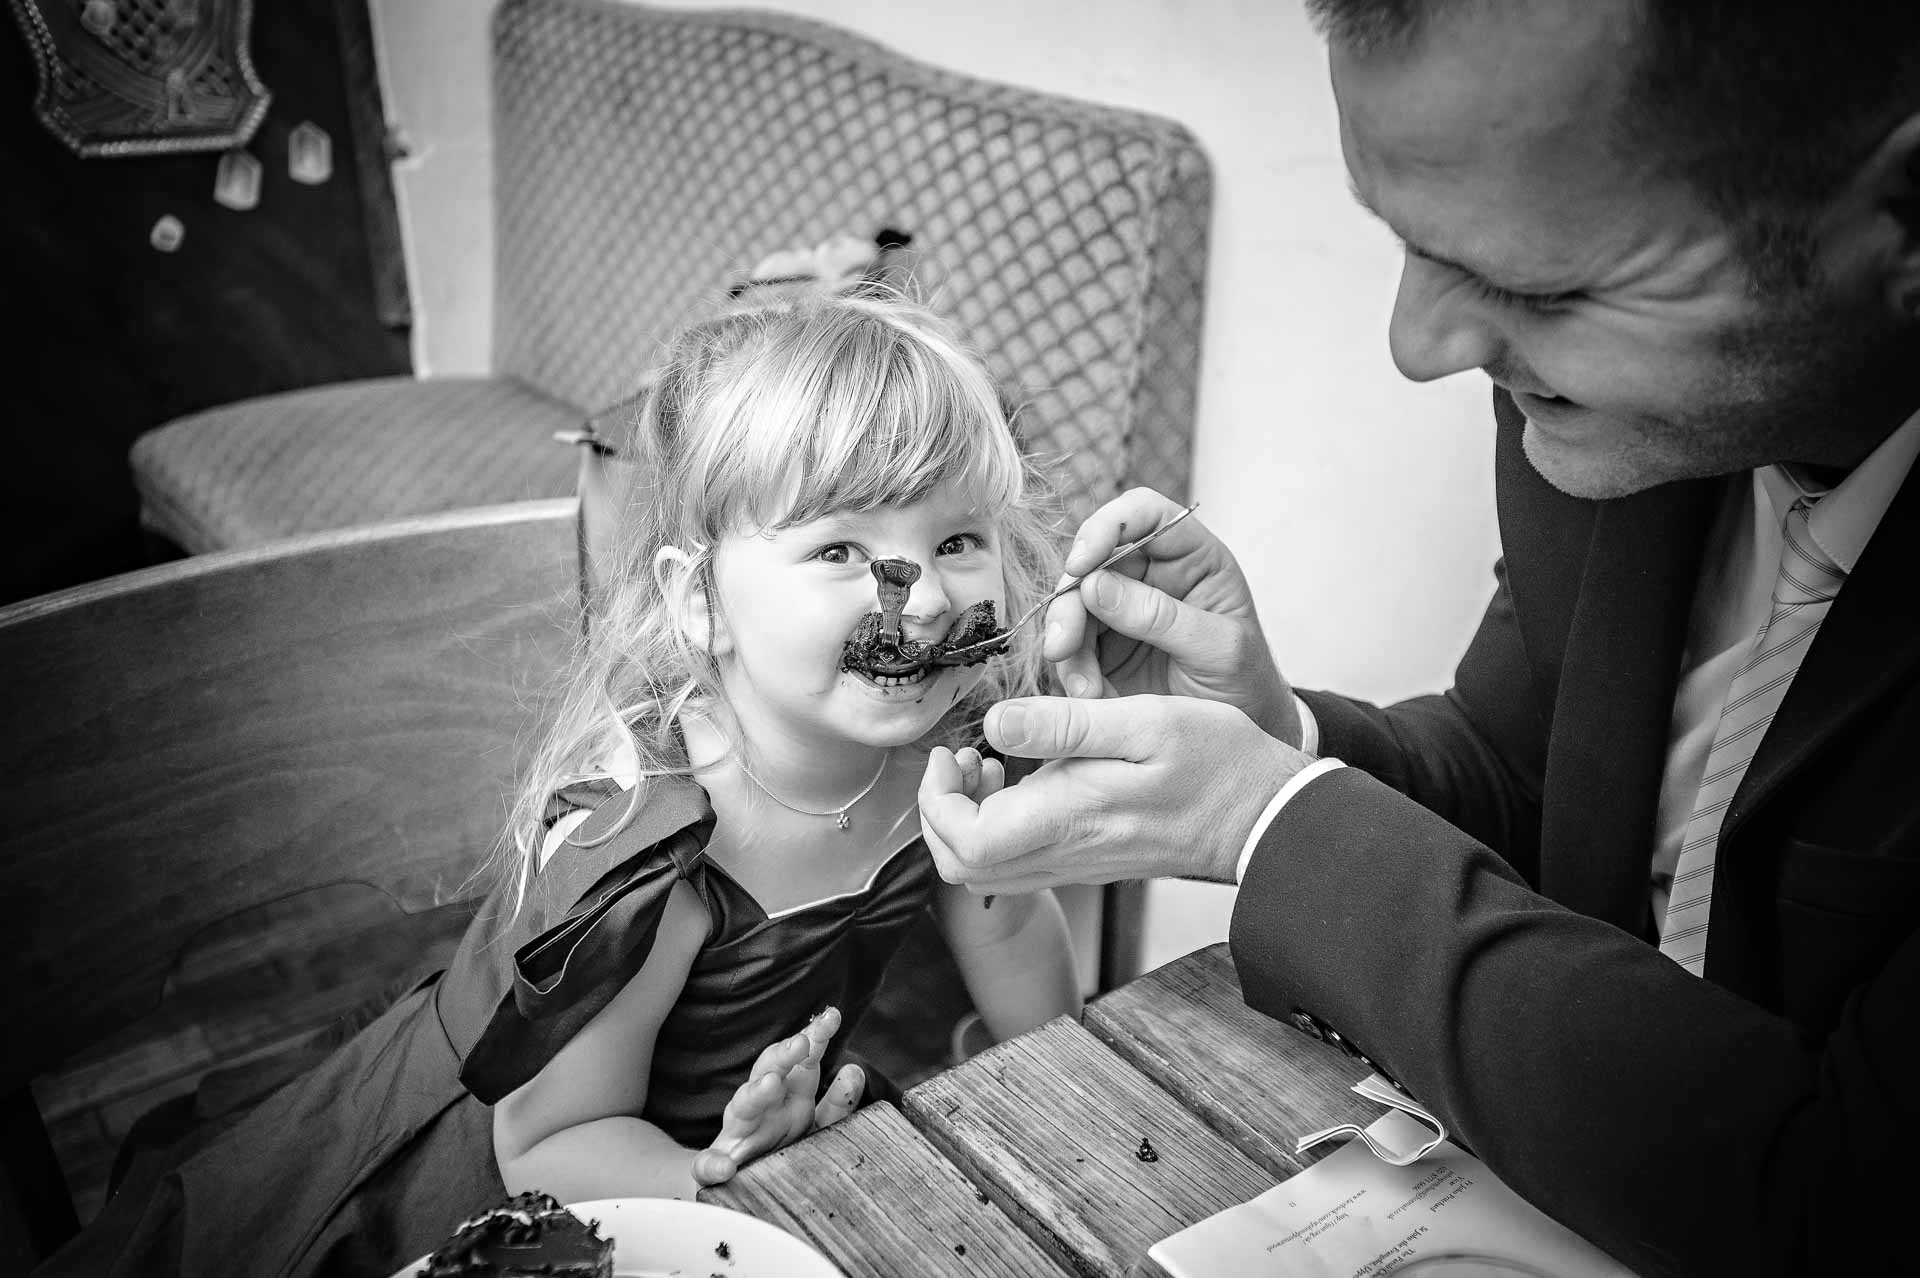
[{"x": 644, "y": 156}]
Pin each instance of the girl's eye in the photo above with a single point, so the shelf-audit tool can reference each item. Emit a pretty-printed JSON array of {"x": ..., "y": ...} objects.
[
  {"x": 959, "y": 544},
  {"x": 837, "y": 553}
]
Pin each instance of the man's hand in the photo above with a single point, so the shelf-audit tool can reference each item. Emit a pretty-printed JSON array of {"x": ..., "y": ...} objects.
[
  {"x": 1174, "y": 619},
  {"x": 775, "y": 1106},
  {"x": 1137, "y": 787}
]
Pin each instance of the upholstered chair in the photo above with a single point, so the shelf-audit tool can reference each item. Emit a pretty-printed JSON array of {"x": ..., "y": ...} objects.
[{"x": 643, "y": 158}]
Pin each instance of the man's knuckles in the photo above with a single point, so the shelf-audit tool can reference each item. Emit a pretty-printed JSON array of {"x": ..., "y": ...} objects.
[
  {"x": 1062, "y": 727},
  {"x": 1104, "y": 819}
]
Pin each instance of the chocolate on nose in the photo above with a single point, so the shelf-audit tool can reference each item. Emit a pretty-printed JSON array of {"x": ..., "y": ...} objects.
[{"x": 895, "y": 577}]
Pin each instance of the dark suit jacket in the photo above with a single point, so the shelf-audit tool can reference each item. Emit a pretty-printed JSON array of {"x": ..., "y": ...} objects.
[{"x": 1467, "y": 903}]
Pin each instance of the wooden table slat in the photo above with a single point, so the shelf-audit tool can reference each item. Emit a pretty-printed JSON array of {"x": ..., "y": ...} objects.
[
  {"x": 1050, "y": 1124},
  {"x": 880, "y": 1202},
  {"x": 1257, "y": 1082}
]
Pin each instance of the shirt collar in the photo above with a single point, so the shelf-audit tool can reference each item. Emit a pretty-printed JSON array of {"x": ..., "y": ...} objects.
[{"x": 1843, "y": 518}]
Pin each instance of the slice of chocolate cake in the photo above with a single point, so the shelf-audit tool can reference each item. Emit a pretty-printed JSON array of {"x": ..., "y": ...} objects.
[
  {"x": 529, "y": 1236},
  {"x": 967, "y": 642}
]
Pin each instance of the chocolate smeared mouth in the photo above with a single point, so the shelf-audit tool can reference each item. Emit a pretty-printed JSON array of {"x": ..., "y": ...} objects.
[
  {"x": 873, "y": 651},
  {"x": 879, "y": 648}
]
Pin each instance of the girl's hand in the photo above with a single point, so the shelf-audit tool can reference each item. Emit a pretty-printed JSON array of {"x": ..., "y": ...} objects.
[
  {"x": 775, "y": 1106},
  {"x": 978, "y": 776}
]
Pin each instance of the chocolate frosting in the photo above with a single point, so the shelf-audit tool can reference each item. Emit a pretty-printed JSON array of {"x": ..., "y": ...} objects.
[{"x": 529, "y": 1234}]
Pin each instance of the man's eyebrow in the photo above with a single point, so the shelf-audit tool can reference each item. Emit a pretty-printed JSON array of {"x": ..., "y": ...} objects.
[
  {"x": 1360, "y": 198},
  {"x": 1419, "y": 251}
]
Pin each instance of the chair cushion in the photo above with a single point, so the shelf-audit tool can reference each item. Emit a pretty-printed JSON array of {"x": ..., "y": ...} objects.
[{"x": 346, "y": 454}]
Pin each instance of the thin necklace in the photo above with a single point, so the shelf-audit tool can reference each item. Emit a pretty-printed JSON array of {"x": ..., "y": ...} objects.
[{"x": 838, "y": 812}]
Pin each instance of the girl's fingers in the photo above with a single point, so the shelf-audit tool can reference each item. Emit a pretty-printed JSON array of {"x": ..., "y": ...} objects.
[
  {"x": 778, "y": 1058},
  {"x": 750, "y": 1105},
  {"x": 819, "y": 1032},
  {"x": 993, "y": 777},
  {"x": 842, "y": 1098},
  {"x": 797, "y": 1049},
  {"x": 979, "y": 775},
  {"x": 711, "y": 1167},
  {"x": 970, "y": 767}
]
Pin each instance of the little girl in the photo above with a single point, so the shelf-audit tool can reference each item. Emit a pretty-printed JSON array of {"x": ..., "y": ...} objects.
[{"x": 717, "y": 851}]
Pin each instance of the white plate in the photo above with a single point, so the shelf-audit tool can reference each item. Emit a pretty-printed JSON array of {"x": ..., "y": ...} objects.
[{"x": 656, "y": 1237}]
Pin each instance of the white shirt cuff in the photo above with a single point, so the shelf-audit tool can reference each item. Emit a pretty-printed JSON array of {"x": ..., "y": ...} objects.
[
  {"x": 1297, "y": 782},
  {"x": 1309, "y": 727}
]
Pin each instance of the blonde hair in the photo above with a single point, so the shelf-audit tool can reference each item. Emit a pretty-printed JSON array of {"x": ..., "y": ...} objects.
[{"x": 764, "y": 418}]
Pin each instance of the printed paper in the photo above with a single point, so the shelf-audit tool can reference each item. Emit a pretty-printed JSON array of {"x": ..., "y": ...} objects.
[{"x": 1352, "y": 1215}]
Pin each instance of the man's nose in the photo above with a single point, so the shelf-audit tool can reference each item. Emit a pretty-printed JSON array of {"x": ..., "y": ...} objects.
[{"x": 1434, "y": 330}]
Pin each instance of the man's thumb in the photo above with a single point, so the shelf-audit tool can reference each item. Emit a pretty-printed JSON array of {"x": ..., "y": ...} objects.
[{"x": 1058, "y": 728}]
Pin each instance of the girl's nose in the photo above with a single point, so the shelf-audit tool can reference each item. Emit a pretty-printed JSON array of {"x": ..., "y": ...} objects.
[{"x": 928, "y": 600}]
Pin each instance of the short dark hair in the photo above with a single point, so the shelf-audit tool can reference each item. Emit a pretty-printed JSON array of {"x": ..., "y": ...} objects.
[{"x": 1764, "y": 107}]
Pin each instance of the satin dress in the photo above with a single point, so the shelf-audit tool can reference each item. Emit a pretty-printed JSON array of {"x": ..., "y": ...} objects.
[{"x": 373, "y": 1157}]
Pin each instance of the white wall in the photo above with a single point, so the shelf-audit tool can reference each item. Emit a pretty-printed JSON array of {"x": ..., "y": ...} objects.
[{"x": 1360, "y": 504}]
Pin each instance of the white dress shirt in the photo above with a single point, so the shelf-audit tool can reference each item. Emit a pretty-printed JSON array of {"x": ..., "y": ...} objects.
[{"x": 1734, "y": 597}]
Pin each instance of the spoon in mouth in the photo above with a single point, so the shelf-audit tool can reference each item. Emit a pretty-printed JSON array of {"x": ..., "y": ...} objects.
[{"x": 988, "y": 647}]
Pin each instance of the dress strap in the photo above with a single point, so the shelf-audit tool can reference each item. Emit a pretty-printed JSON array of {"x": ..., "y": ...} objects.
[{"x": 586, "y": 930}]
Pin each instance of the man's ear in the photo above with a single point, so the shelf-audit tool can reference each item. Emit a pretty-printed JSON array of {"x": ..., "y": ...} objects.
[
  {"x": 1906, "y": 210},
  {"x": 683, "y": 585},
  {"x": 1887, "y": 191}
]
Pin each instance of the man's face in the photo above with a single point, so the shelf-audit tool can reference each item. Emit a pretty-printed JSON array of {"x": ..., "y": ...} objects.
[{"x": 1545, "y": 249}]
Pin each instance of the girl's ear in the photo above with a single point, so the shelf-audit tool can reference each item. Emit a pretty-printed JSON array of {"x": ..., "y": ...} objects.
[{"x": 684, "y": 588}]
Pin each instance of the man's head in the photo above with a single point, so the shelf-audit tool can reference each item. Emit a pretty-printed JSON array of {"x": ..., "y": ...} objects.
[{"x": 1685, "y": 233}]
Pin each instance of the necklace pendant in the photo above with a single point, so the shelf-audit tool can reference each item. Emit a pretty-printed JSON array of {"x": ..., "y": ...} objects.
[{"x": 842, "y": 820}]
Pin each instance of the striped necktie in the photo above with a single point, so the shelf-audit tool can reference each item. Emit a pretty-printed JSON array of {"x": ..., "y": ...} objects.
[{"x": 1807, "y": 583}]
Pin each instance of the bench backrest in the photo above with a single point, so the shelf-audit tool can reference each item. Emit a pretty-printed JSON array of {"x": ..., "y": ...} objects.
[{"x": 184, "y": 743}]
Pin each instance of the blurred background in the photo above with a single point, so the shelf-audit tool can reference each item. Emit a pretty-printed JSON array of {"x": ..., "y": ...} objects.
[
  {"x": 1360, "y": 504},
  {"x": 351, "y": 237}
]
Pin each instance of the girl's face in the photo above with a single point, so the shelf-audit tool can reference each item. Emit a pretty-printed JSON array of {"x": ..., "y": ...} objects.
[{"x": 790, "y": 598}]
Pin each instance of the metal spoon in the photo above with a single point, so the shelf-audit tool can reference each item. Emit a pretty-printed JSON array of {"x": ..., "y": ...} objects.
[{"x": 1000, "y": 640}]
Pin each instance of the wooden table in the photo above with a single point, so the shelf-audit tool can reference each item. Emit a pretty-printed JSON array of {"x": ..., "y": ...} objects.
[{"x": 1030, "y": 1159}]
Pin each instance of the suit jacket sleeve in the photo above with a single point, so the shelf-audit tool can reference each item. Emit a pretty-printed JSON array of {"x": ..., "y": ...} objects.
[{"x": 1679, "y": 1126}]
